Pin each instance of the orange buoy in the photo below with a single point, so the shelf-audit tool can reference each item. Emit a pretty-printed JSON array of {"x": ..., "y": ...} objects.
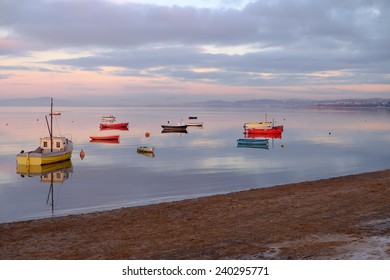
[
  {"x": 82, "y": 154},
  {"x": 147, "y": 134}
]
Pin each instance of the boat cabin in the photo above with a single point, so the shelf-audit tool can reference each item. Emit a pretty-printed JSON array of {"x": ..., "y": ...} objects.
[{"x": 59, "y": 143}]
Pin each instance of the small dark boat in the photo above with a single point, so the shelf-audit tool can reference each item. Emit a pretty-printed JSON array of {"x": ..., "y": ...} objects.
[{"x": 175, "y": 128}]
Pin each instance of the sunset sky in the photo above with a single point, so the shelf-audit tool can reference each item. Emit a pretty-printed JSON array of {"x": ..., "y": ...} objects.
[{"x": 195, "y": 50}]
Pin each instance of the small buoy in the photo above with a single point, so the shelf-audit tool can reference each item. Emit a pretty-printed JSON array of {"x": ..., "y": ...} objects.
[
  {"x": 147, "y": 134},
  {"x": 330, "y": 133},
  {"x": 82, "y": 154},
  {"x": 282, "y": 146}
]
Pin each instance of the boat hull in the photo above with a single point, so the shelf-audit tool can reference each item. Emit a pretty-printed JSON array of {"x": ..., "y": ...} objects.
[
  {"x": 39, "y": 158},
  {"x": 174, "y": 127},
  {"x": 247, "y": 141},
  {"x": 114, "y": 125},
  {"x": 272, "y": 130}
]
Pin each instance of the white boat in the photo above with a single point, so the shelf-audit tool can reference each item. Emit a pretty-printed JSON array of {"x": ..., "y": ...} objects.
[
  {"x": 52, "y": 148},
  {"x": 108, "y": 118},
  {"x": 261, "y": 125},
  {"x": 258, "y": 125}
]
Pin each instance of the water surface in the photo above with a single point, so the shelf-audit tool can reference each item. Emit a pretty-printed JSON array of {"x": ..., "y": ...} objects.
[{"x": 315, "y": 144}]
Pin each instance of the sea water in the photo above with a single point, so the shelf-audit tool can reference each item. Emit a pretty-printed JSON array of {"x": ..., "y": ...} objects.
[{"x": 316, "y": 143}]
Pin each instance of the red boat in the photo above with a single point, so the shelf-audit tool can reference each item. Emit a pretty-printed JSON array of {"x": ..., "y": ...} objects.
[
  {"x": 105, "y": 137},
  {"x": 273, "y": 130},
  {"x": 114, "y": 125}
]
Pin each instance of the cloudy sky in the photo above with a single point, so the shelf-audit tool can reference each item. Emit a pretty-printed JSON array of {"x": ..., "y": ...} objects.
[{"x": 232, "y": 49}]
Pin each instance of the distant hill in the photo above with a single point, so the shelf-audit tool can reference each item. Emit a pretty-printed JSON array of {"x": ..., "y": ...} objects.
[
  {"x": 355, "y": 103},
  {"x": 252, "y": 103},
  {"x": 291, "y": 103},
  {"x": 39, "y": 101}
]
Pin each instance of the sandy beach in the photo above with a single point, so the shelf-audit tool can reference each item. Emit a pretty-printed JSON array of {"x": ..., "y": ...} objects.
[{"x": 338, "y": 218}]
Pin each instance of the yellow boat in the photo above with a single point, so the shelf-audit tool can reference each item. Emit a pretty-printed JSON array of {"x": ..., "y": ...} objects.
[{"x": 52, "y": 149}]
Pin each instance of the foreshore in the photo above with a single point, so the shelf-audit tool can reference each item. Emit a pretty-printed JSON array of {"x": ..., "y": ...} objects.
[{"x": 338, "y": 218}]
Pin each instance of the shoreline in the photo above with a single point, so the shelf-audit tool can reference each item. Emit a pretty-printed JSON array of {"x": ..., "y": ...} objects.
[{"x": 344, "y": 217}]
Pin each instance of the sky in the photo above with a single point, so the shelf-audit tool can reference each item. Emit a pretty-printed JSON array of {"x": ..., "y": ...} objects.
[{"x": 195, "y": 50}]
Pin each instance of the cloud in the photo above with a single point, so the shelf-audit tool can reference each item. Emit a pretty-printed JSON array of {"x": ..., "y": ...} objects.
[{"x": 263, "y": 43}]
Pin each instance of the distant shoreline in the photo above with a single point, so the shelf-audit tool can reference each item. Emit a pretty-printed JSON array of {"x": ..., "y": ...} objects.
[
  {"x": 253, "y": 103},
  {"x": 344, "y": 217}
]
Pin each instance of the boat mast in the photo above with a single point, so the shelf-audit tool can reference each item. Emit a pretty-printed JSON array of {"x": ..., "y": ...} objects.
[{"x": 51, "y": 125}]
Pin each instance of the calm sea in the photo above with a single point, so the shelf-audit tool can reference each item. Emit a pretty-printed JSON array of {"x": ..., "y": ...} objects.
[{"x": 315, "y": 144}]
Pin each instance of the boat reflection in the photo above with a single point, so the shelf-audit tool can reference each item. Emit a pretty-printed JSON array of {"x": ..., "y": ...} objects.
[
  {"x": 113, "y": 128},
  {"x": 51, "y": 173},
  {"x": 184, "y": 131},
  {"x": 147, "y": 154},
  {"x": 115, "y": 141},
  {"x": 263, "y": 135}
]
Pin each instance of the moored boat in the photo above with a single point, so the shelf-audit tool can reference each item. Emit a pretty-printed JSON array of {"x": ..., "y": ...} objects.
[
  {"x": 252, "y": 143},
  {"x": 108, "y": 118},
  {"x": 272, "y": 130},
  {"x": 145, "y": 149},
  {"x": 247, "y": 141},
  {"x": 114, "y": 125},
  {"x": 175, "y": 128},
  {"x": 52, "y": 149}
]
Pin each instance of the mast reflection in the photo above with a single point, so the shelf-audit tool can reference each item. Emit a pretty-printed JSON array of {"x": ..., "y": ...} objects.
[{"x": 50, "y": 173}]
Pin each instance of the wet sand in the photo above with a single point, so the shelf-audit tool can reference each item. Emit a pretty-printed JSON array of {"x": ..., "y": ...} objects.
[{"x": 339, "y": 218}]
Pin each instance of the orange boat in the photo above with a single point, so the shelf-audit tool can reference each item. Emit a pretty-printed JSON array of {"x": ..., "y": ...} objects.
[{"x": 114, "y": 125}]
